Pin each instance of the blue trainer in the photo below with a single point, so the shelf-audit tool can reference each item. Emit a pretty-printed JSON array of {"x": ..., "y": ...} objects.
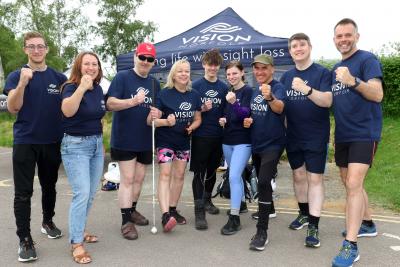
[
  {"x": 312, "y": 238},
  {"x": 348, "y": 254},
  {"x": 365, "y": 231},
  {"x": 299, "y": 222}
]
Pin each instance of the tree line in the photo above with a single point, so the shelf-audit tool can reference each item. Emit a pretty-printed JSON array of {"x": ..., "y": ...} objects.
[{"x": 68, "y": 31}]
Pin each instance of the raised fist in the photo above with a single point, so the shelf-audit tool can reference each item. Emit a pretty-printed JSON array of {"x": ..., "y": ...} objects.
[
  {"x": 247, "y": 122},
  {"x": 86, "y": 82},
  {"x": 344, "y": 76},
  {"x": 299, "y": 85},
  {"x": 222, "y": 122},
  {"x": 25, "y": 76},
  {"x": 139, "y": 97},
  {"x": 207, "y": 105},
  {"x": 231, "y": 97},
  {"x": 266, "y": 91}
]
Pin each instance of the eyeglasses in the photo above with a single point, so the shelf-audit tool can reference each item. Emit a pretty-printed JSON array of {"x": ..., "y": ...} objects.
[
  {"x": 143, "y": 58},
  {"x": 38, "y": 47}
]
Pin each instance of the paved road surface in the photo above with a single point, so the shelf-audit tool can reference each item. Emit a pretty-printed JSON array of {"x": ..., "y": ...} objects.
[{"x": 186, "y": 246}]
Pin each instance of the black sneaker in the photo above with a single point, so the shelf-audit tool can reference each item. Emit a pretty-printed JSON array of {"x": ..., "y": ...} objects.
[
  {"x": 179, "y": 218},
  {"x": 232, "y": 226},
  {"x": 51, "y": 230},
  {"x": 26, "y": 250},
  {"x": 259, "y": 240}
]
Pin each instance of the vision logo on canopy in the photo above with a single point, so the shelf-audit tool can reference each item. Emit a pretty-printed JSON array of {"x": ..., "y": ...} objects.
[
  {"x": 221, "y": 27},
  {"x": 218, "y": 34}
]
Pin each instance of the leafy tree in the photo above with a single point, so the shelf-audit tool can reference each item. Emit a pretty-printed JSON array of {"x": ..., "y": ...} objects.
[
  {"x": 118, "y": 28},
  {"x": 62, "y": 24}
]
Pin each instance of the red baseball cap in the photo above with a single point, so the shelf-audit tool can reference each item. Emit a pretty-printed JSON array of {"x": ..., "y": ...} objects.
[{"x": 146, "y": 49}]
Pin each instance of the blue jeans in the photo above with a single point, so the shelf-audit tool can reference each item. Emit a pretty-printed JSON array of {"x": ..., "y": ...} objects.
[
  {"x": 83, "y": 161},
  {"x": 237, "y": 157}
]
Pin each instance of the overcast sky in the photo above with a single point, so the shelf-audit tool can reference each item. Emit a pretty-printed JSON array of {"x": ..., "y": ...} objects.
[{"x": 378, "y": 21}]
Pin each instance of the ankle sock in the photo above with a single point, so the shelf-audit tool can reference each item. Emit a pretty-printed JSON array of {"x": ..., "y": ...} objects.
[
  {"x": 304, "y": 208},
  {"x": 368, "y": 223},
  {"x": 126, "y": 215},
  {"x": 354, "y": 243},
  {"x": 313, "y": 220}
]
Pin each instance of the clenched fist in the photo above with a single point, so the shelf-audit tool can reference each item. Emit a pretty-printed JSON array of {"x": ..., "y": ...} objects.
[
  {"x": 207, "y": 105},
  {"x": 344, "y": 76},
  {"x": 231, "y": 97},
  {"x": 171, "y": 120},
  {"x": 86, "y": 82},
  {"x": 25, "y": 76},
  {"x": 247, "y": 122},
  {"x": 266, "y": 91},
  {"x": 139, "y": 97},
  {"x": 299, "y": 85},
  {"x": 222, "y": 122}
]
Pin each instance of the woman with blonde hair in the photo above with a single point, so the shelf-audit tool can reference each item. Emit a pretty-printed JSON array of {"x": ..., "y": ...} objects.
[{"x": 181, "y": 109}]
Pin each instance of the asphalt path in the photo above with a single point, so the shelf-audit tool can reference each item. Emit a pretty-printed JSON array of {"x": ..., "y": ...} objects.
[{"x": 185, "y": 246}]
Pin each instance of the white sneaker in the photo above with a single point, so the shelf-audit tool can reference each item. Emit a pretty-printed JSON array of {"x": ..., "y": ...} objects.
[{"x": 112, "y": 174}]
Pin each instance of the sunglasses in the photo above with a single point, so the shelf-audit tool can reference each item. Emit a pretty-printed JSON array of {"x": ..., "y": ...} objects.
[{"x": 143, "y": 58}]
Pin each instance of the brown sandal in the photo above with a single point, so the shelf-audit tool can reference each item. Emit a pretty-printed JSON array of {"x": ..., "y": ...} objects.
[
  {"x": 89, "y": 238},
  {"x": 83, "y": 257}
]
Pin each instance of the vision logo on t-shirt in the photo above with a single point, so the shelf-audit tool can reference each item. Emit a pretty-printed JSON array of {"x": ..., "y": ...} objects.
[
  {"x": 147, "y": 99},
  {"x": 53, "y": 90},
  {"x": 294, "y": 95},
  {"x": 211, "y": 95},
  {"x": 185, "y": 114},
  {"x": 257, "y": 108},
  {"x": 339, "y": 88}
]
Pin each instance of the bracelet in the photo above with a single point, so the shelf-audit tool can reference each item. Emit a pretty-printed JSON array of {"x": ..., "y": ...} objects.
[{"x": 310, "y": 92}]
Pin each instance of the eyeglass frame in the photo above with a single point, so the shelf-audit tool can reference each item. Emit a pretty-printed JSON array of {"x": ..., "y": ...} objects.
[
  {"x": 38, "y": 47},
  {"x": 145, "y": 58}
]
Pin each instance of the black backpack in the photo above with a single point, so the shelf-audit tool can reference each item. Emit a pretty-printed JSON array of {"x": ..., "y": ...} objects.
[{"x": 249, "y": 178}]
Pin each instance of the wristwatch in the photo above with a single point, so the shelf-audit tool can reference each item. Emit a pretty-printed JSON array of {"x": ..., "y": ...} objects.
[
  {"x": 309, "y": 92},
  {"x": 357, "y": 82}
]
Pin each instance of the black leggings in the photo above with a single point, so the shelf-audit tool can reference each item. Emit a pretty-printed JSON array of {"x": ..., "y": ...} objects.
[
  {"x": 266, "y": 168},
  {"x": 198, "y": 185}
]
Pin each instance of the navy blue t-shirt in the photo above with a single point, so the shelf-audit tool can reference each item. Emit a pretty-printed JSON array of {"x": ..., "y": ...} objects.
[
  {"x": 356, "y": 118},
  {"x": 216, "y": 92},
  {"x": 183, "y": 106},
  {"x": 234, "y": 132},
  {"x": 87, "y": 120},
  {"x": 268, "y": 128},
  {"x": 39, "y": 119},
  {"x": 307, "y": 123},
  {"x": 130, "y": 131}
]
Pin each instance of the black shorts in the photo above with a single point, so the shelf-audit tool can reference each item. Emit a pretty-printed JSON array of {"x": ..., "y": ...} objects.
[
  {"x": 206, "y": 153},
  {"x": 355, "y": 152},
  {"x": 313, "y": 156},
  {"x": 144, "y": 157}
]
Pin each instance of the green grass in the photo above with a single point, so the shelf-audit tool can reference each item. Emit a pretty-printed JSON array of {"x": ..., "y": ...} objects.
[
  {"x": 6, "y": 129},
  {"x": 383, "y": 180}
]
